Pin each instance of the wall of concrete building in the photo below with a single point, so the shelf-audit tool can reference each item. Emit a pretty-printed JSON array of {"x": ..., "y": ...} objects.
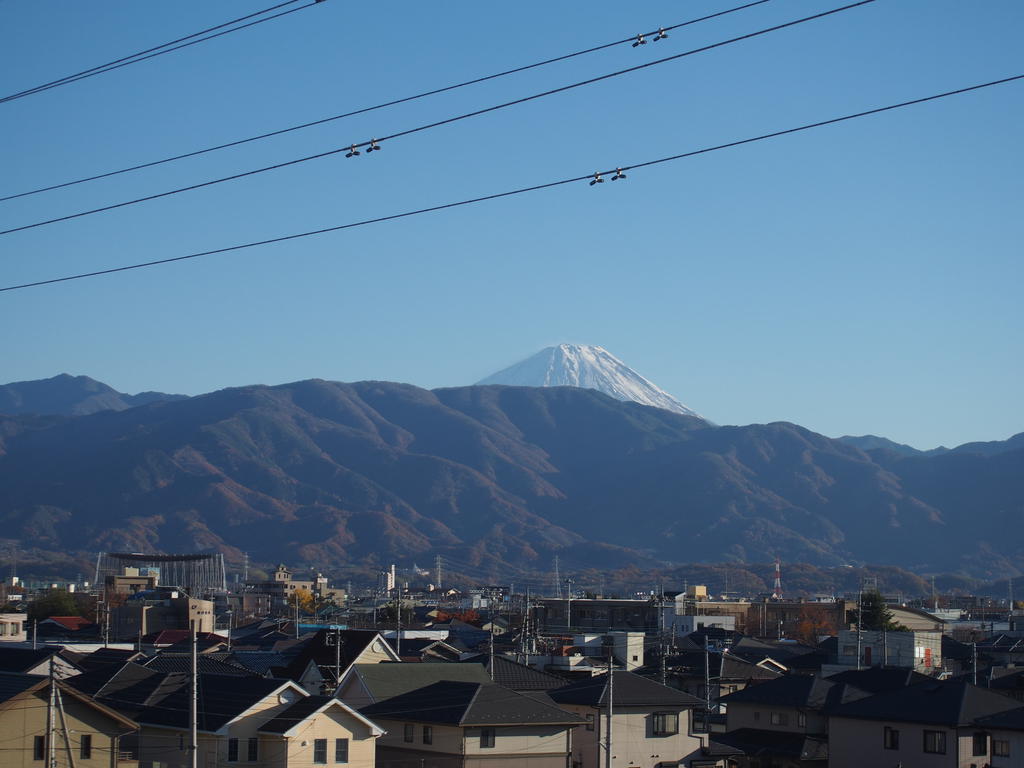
[{"x": 13, "y": 628}]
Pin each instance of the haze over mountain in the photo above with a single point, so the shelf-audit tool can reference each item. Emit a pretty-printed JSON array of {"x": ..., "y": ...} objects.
[
  {"x": 494, "y": 476},
  {"x": 590, "y": 367},
  {"x": 70, "y": 396}
]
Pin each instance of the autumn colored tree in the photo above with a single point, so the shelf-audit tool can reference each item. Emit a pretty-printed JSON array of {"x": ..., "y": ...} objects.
[{"x": 812, "y": 624}]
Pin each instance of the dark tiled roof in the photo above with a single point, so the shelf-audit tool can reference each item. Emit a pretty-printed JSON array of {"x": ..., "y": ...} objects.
[
  {"x": 519, "y": 677},
  {"x": 879, "y": 679},
  {"x": 13, "y": 684},
  {"x": 129, "y": 688},
  {"x": 464, "y": 704},
  {"x": 23, "y": 659},
  {"x": 798, "y": 691},
  {"x": 260, "y": 662},
  {"x": 221, "y": 699},
  {"x": 296, "y": 713},
  {"x": 953, "y": 703},
  {"x": 181, "y": 662},
  {"x": 631, "y": 690},
  {"x": 1011, "y": 720},
  {"x": 390, "y": 679},
  {"x": 754, "y": 742}
]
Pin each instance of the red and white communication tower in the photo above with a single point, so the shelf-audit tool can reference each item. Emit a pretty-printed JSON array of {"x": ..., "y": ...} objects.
[{"x": 777, "y": 589}]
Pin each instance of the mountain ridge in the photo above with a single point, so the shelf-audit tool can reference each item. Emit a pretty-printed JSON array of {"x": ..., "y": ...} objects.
[{"x": 367, "y": 472}]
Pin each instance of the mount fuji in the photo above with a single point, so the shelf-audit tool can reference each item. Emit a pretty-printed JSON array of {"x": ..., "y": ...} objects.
[{"x": 589, "y": 367}]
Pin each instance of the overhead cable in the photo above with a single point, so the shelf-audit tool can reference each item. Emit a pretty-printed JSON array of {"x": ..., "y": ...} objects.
[
  {"x": 522, "y": 190},
  {"x": 373, "y": 144},
  {"x": 159, "y": 50},
  {"x": 661, "y": 34}
]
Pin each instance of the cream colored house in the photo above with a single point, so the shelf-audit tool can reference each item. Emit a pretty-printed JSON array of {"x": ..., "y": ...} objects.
[
  {"x": 87, "y": 734},
  {"x": 255, "y": 721},
  {"x": 652, "y": 724},
  {"x": 454, "y": 724},
  {"x": 928, "y": 725}
]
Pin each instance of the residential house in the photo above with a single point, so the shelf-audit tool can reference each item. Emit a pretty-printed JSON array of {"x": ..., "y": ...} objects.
[
  {"x": 1006, "y": 738},
  {"x": 87, "y": 733},
  {"x": 253, "y": 720},
  {"x": 36, "y": 661},
  {"x": 454, "y": 724},
  {"x": 651, "y": 724},
  {"x": 783, "y": 723},
  {"x": 325, "y": 657},
  {"x": 12, "y": 628},
  {"x": 928, "y": 725}
]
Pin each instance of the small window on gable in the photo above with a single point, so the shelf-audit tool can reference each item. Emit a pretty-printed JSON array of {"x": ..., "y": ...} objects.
[{"x": 487, "y": 738}]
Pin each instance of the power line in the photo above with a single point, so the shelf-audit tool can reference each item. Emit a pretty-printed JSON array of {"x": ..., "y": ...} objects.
[
  {"x": 159, "y": 50},
  {"x": 373, "y": 143},
  {"x": 593, "y": 178},
  {"x": 653, "y": 35}
]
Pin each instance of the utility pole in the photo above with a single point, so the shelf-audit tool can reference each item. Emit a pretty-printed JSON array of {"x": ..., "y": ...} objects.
[
  {"x": 568, "y": 609},
  {"x": 337, "y": 656},
  {"x": 608, "y": 720},
  {"x": 51, "y": 714},
  {"x": 707, "y": 686},
  {"x": 64, "y": 728},
  {"x": 974, "y": 659},
  {"x": 558, "y": 580},
  {"x": 35, "y": 633},
  {"x": 398, "y": 622},
  {"x": 490, "y": 651},
  {"x": 437, "y": 568},
  {"x": 860, "y": 609},
  {"x": 193, "y": 707}
]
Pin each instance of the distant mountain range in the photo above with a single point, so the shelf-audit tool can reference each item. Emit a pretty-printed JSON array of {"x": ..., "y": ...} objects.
[
  {"x": 71, "y": 396},
  {"x": 590, "y": 367},
  {"x": 499, "y": 478}
]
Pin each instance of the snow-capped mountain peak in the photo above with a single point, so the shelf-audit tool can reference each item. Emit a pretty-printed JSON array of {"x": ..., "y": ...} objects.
[{"x": 590, "y": 367}]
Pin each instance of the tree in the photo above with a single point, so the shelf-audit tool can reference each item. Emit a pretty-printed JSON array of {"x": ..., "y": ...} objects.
[
  {"x": 874, "y": 615},
  {"x": 56, "y": 602}
]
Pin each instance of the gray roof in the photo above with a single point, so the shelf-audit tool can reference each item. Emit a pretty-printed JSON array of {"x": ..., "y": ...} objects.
[
  {"x": 954, "y": 703},
  {"x": 798, "y": 691},
  {"x": 1011, "y": 720},
  {"x": 468, "y": 704},
  {"x": 12, "y": 685},
  {"x": 295, "y": 714},
  {"x": 389, "y": 679},
  {"x": 754, "y": 742},
  {"x": 511, "y": 674},
  {"x": 630, "y": 691}
]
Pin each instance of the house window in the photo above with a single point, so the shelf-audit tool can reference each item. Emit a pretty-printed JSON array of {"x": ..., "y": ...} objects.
[
  {"x": 428, "y": 734},
  {"x": 1000, "y": 748},
  {"x": 801, "y": 719},
  {"x": 935, "y": 742},
  {"x": 590, "y": 721},
  {"x": 39, "y": 748},
  {"x": 779, "y": 718},
  {"x": 232, "y": 750},
  {"x": 486, "y": 738},
  {"x": 409, "y": 733},
  {"x": 341, "y": 750},
  {"x": 320, "y": 751},
  {"x": 979, "y": 744},
  {"x": 665, "y": 723},
  {"x": 890, "y": 738},
  {"x": 253, "y": 753},
  {"x": 85, "y": 747}
]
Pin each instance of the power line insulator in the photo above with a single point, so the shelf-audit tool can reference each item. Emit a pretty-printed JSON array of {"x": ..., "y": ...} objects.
[
  {"x": 618, "y": 175},
  {"x": 662, "y": 34},
  {"x": 374, "y": 146},
  {"x": 353, "y": 150},
  {"x": 596, "y": 180},
  {"x": 639, "y": 41}
]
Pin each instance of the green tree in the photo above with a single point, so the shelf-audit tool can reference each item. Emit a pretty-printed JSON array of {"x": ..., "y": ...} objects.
[
  {"x": 56, "y": 602},
  {"x": 874, "y": 615}
]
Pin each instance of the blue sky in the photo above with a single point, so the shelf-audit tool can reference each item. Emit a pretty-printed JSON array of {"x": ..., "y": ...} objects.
[{"x": 862, "y": 278}]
